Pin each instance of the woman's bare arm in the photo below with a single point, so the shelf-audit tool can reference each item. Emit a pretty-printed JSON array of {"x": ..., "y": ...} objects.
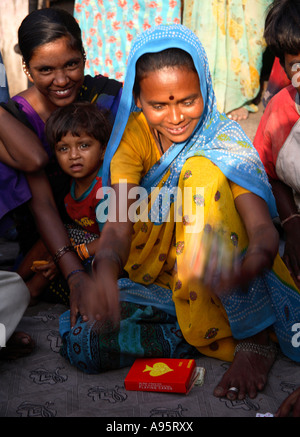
[
  {"x": 20, "y": 147},
  {"x": 263, "y": 236},
  {"x": 55, "y": 237}
]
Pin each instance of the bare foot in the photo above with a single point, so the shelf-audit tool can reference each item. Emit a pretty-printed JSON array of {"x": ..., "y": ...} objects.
[
  {"x": 247, "y": 374},
  {"x": 238, "y": 114},
  {"x": 19, "y": 345}
]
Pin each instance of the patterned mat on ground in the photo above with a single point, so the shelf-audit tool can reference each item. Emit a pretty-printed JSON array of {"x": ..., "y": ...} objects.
[{"x": 43, "y": 384}]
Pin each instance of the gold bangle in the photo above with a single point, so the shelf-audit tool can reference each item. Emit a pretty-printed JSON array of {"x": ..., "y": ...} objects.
[{"x": 289, "y": 218}]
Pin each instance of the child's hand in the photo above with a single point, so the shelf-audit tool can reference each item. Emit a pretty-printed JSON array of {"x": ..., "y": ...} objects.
[{"x": 46, "y": 267}]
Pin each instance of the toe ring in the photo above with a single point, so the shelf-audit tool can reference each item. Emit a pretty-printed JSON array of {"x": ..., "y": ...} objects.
[{"x": 234, "y": 389}]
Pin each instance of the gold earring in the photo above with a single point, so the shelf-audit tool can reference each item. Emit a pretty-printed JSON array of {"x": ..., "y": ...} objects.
[{"x": 25, "y": 69}]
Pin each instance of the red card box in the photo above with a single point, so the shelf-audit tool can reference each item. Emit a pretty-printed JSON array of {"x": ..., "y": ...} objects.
[{"x": 162, "y": 374}]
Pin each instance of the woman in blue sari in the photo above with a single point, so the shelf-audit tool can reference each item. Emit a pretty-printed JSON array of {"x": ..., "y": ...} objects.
[{"x": 198, "y": 179}]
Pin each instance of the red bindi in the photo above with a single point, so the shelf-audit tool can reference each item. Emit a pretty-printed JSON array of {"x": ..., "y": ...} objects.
[{"x": 171, "y": 98}]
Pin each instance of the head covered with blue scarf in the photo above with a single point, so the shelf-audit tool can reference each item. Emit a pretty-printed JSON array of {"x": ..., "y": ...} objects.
[{"x": 215, "y": 137}]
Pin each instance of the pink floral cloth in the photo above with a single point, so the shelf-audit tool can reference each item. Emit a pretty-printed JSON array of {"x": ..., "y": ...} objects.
[{"x": 109, "y": 26}]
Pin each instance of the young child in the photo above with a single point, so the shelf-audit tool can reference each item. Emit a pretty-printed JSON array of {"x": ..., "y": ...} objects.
[
  {"x": 277, "y": 137},
  {"x": 78, "y": 134}
]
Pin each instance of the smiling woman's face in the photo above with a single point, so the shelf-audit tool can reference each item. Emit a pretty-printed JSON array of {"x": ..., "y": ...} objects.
[
  {"x": 57, "y": 71},
  {"x": 171, "y": 101}
]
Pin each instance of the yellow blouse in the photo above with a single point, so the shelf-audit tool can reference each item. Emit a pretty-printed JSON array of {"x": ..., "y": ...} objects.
[{"x": 138, "y": 152}]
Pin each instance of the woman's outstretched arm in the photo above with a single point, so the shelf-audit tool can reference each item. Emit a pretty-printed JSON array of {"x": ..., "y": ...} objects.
[{"x": 55, "y": 237}]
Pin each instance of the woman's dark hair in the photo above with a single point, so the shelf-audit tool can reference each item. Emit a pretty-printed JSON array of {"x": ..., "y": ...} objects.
[
  {"x": 282, "y": 28},
  {"x": 77, "y": 118},
  {"x": 149, "y": 62},
  {"x": 46, "y": 25}
]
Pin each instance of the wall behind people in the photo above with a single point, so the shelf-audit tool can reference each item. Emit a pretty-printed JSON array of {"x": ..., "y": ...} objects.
[
  {"x": 232, "y": 35},
  {"x": 12, "y": 13},
  {"x": 109, "y": 27}
]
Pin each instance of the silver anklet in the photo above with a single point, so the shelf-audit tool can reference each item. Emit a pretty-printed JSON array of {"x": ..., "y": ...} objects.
[{"x": 260, "y": 349}]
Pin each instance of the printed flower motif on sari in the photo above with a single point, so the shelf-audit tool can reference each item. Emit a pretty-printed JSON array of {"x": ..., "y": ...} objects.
[
  {"x": 179, "y": 247},
  {"x": 187, "y": 175},
  {"x": 198, "y": 199},
  {"x": 135, "y": 266},
  {"x": 77, "y": 330},
  {"x": 207, "y": 228},
  {"x": 147, "y": 277},
  {"x": 211, "y": 333},
  {"x": 144, "y": 227},
  {"x": 186, "y": 220},
  {"x": 193, "y": 295},
  {"x": 162, "y": 257},
  {"x": 178, "y": 285},
  {"x": 217, "y": 196},
  {"x": 76, "y": 348}
]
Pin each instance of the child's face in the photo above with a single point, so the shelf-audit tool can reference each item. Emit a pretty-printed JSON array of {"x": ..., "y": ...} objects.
[
  {"x": 172, "y": 103},
  {"x": 79, "y": 156},
  {"x": 292, "y": 69}
]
